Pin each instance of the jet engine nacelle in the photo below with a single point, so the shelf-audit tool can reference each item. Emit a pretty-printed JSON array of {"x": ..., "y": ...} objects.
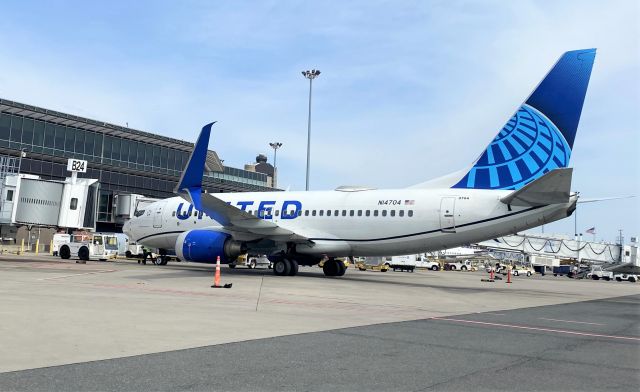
[{"x": 204, "y": 246}]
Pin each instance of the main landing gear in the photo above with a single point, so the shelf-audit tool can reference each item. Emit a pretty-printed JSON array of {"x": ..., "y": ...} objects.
[{"x": 285, "y": 267}]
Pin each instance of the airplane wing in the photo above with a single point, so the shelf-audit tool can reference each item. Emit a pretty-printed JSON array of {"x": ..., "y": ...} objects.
[
  {"x": 554, "y": 187},
  {"x": 233, "y": 219}
]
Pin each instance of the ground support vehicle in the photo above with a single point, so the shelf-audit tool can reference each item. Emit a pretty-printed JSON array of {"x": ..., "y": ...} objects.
[
  {"x": 460, "y": 266},
  {"x": 521, "y": 270},
  {"x": 59, "y": 239},
  {"x": 626, "y": 277},
  {"x": 428, "y": 264},
  {"x": 598, "y": 273},
  {"x": 562, "y": 270},
  {"x": 90, "y": 247},
  {"x": 372, "y": 264},
  {"x": 403, "y": 263},
  {"x": 134, "y": 251},
  {"x": 252, "y": 261}
]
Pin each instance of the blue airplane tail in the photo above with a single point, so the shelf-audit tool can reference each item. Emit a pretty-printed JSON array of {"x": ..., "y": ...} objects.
[{"x": 539, "y": 137}]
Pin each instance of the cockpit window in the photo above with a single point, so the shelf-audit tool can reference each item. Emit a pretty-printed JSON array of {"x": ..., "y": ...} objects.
[{"x": 138, "y": 213}]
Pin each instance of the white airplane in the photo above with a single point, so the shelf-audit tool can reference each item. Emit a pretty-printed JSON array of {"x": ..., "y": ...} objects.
[{"x": 519, "y": 182}]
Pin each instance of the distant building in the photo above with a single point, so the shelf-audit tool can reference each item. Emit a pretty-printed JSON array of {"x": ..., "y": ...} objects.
[
  {"x": 123, "y": 160},
  {"x": 261, "y": 166}
]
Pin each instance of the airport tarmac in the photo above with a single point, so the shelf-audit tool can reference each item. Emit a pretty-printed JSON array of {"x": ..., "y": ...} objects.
[{"x": 124, "y": 326}]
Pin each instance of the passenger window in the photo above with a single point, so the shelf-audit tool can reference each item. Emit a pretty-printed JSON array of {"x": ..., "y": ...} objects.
[
  {"x": 401, "y": 212},
  {"x": 367, "y": 213},
  {"x": 350, "y": 212},
  {"x": 359, "y": 212},
  {"x": 375, "y": 212},
  {"x": 173, "y": 213},
  {"x": 384, "y": 212},
  {"x": 336, "y": 212},
  {"x": 313, "y": 213},
  {"x": 321, "y": 212},
  {"x": 344, "y": 212},
  {"x": 299, "y": 212},
  {"x": 410, "y": 213},
  {"x": 393, "y": 212},
  {"x": 277, "y": 212},
  {"x": 328, "y": 212},
  {"x": 195, "y": 213},
  {"x": 306, "y": 212}
]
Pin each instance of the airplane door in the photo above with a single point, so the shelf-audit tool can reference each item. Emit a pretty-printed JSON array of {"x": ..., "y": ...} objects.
[
  {"x": 157, "y": 215},
  {"x": 447, "y": 214}
]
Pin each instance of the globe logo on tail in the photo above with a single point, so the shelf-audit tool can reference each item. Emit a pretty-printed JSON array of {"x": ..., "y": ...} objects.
[{"x": 526, "y": 148}]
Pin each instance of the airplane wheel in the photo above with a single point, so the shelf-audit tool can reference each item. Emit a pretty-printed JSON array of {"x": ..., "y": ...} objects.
[
  {"x": 65, "y": 253},
  {"x": 330, "y": 267},
  {"x": 341, "y": 268},
  {"x": 294, "y": 268},
  {"x": 281, "y": 267}
]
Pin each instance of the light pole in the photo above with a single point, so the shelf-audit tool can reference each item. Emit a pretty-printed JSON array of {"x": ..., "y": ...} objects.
[
  {"x": 275, "y": 146},
  {"x": 314, "y": 73}
]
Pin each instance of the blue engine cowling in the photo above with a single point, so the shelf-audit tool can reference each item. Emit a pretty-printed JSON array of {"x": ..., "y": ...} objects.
[{"x": 204, "y": 246}]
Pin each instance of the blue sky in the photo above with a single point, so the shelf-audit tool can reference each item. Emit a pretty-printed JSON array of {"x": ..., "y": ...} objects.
[{"x": 408, "y": 91}]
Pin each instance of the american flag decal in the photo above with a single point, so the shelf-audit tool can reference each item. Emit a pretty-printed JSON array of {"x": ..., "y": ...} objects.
[{"x": 409, "y": 202}]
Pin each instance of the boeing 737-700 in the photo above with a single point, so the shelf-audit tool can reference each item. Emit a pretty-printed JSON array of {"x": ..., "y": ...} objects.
[{"x": 520, "y": 181}]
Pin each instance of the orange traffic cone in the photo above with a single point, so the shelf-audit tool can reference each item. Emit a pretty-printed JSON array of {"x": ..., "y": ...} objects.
[
  {"x": 491, "y": 273},
  {"x": 216, "y": 279},
  {"x": 509, "y": 275}
]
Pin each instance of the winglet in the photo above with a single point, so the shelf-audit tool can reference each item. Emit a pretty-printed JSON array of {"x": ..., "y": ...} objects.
[{"x": 190, "y": 184}]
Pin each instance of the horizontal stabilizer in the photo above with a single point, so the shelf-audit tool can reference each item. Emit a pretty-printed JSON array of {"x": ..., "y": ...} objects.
[{"x": 552, "y": 188}]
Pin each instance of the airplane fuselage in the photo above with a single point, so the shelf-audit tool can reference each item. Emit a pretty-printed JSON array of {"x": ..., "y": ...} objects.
[{"x": 358, "y": 223}]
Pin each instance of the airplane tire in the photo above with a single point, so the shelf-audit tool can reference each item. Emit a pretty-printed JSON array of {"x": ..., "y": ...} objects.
[
  {"x": 281, "y": 267},
  {"x": 294, "y": 268},
  {"x": 330, "y": 267},
  {"x": 83, "y": 253},
  {"x": 341, "y": 268},
  {"x": 65, "y": 252}
]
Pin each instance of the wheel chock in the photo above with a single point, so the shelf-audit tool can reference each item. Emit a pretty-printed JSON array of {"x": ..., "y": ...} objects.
[
  {"x": 487, "y": 280},
  {"x": 226, "y": 286}
]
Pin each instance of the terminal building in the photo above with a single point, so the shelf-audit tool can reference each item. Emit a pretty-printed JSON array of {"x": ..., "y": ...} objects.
[{"x": 122, "y": 160}]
